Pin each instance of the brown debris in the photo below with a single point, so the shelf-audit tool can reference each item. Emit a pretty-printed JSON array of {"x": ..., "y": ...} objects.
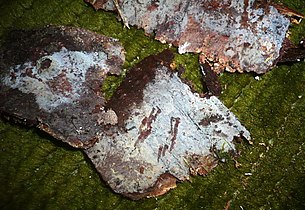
[
  {"x": 291, "y": 52},
  {"x": 294, "y": 15},
  {"x": 210, "y": 79},
  {"x": 164, "y": 183}
]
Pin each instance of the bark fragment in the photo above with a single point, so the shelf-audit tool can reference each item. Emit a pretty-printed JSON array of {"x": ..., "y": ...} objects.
[
  {"x": 165, "y": 132},
  {"x": 52, "y": 77},
  {"x": 237, "y": 35}
]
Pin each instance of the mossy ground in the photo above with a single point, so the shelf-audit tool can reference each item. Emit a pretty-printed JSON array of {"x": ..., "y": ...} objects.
[{"x": 38, "y": 172}]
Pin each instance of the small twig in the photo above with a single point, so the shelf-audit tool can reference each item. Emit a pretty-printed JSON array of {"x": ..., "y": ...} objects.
[
  {"x": 125, "y": 22},
  {"x": 227, "y": 207}
]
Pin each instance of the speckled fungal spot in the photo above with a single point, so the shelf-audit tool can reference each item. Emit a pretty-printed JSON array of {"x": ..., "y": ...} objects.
[
  {"x": 236, "y": 35},
  {"x": 52, "y": 78},
  {"x": 164, "y": 132}
]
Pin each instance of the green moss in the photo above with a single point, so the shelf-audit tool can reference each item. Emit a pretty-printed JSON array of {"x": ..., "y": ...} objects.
[
  {"x": 39, "y": 172},
  {"x": 190, "y": 64}
]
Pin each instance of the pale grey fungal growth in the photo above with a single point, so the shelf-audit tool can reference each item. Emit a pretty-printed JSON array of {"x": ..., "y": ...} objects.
[
  {"x": 167, "y": 130},
  {"x": 238, "y": 35},
  {"x": 52, "y": 78},
  {"x": 61, "y": 81}
]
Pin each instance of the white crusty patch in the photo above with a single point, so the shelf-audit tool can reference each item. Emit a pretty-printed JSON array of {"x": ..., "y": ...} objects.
[{"x": 69, "y": 66}]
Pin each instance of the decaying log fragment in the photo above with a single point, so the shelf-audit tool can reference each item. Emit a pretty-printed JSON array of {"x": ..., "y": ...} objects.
[
  {"x": 236, "y": 35},
  {"x": 164, "y": 133},
  {"x": 52, "y": 77}
]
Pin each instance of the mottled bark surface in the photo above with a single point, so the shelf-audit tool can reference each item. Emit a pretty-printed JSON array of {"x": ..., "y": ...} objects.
[
  {"x": 235, "y": 35},
  {"x": 52, "y": 78},
  {"x": 164, "y": 132}
]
